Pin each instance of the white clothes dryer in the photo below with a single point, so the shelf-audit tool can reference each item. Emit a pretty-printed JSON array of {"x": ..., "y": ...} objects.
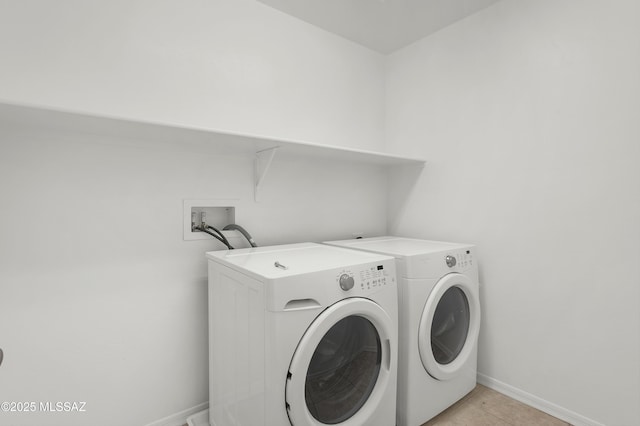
[
  {"x": 303, "y": 335},
  {"x": 439, "y": 322}
]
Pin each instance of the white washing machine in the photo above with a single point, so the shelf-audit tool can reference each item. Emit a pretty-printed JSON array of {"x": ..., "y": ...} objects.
[
  {"x": 439, "y": 322},
  {"x": 302, "y": 334}
]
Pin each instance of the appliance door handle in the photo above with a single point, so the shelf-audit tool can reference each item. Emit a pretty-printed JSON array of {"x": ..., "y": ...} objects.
[{"x": 388, "y": 347}]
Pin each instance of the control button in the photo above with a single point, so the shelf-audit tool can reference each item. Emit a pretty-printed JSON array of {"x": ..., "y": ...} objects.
[
  {"x": 346, "y": 282},
  {"x": 451, "y": 261}
]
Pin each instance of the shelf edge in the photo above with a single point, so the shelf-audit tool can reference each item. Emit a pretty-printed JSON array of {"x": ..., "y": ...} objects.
[{"x": 355, "y": 154}]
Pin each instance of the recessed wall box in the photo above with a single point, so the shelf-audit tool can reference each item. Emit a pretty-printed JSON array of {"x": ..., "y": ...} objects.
[{"x": 218, "y": 213}]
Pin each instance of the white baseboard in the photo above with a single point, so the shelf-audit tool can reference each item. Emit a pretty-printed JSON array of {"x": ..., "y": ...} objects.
[
  {"x": 536, "y": 402},
  {"x": 179, "y": 419},
  {"x": 199, "y": 419}
]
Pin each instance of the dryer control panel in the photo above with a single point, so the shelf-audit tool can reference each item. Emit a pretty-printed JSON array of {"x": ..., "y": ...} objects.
[
  {"x": 366, "y": 279},
  {"x": 461, "y": 260}
]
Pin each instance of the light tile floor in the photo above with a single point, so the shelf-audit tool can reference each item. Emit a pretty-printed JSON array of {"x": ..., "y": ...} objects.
[{"x": 486, "y": 407}]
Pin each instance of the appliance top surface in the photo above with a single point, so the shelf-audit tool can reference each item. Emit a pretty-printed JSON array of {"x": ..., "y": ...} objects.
[
  {"x": 399, "y": 246},
  {"x": 294, "y": 259}
]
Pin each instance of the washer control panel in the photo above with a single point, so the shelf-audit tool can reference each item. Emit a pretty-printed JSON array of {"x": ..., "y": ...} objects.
[
  {"x": 462, "y": 259},
  {"x": 366, "y": 279}
]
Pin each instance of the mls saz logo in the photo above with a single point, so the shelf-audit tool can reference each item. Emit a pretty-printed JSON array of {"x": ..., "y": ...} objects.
[{"x": 66, "y": 407}]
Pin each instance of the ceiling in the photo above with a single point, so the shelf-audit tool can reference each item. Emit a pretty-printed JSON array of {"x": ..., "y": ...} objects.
[{"x": 381, "y": 25}]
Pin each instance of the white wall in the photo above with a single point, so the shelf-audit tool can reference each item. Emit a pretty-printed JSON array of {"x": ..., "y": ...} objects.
[
  {"x": 101, "y": 299},
  {"x": 528, "y": 115},
  {"x": 234, "y": 65}
]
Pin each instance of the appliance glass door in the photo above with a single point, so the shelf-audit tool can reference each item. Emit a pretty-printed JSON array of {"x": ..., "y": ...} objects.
[
  {"x": 343, "y": 370},
  {"x": 340, "y": 369},
  {"x": 449, "y": 326}
]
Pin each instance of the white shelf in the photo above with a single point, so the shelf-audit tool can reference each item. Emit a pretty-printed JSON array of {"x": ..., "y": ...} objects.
[
  {"x": 261, "y": 148},
  {"x": 229, "y": 143}
]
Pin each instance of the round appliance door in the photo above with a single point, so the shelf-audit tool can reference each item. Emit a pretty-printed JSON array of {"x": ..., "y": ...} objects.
[
  {"x": 449, "y": 326},
  {"x": 340, "y": 369}
]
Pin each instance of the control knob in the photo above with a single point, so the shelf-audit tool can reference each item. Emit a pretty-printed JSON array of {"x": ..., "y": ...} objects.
[
  {"x": 346, "y": 282},
  {"x": 451, "y": 261}
]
